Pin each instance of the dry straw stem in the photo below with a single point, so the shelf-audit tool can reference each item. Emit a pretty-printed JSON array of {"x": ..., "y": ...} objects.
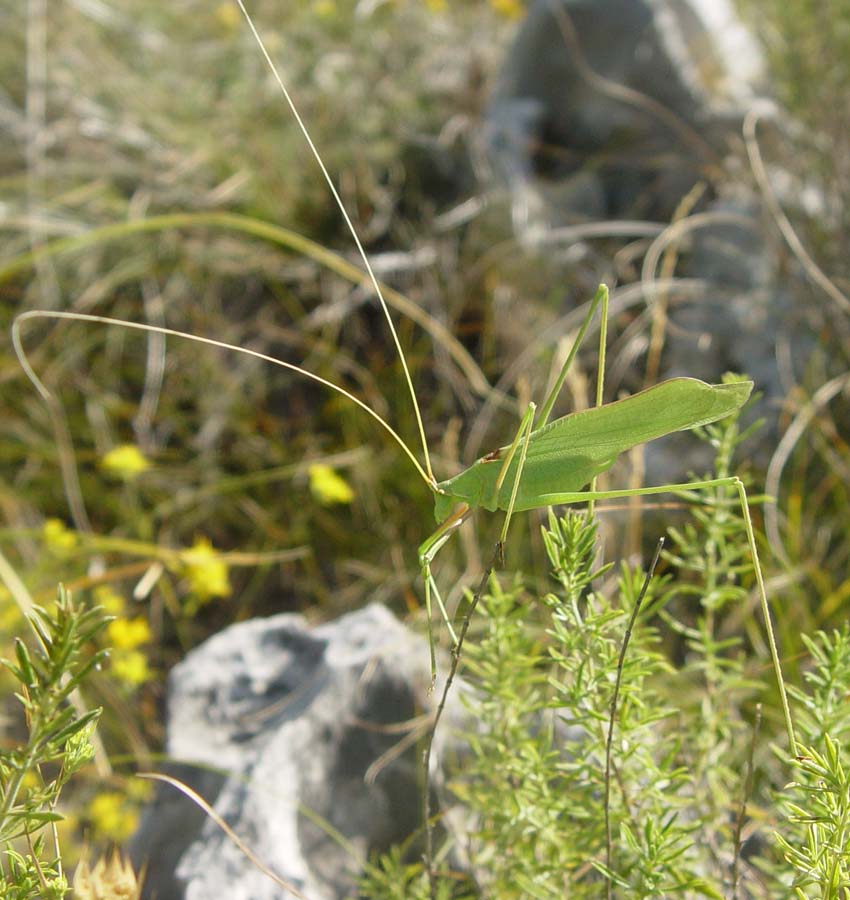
[
  {"x": 812, "y": 269},
  {"x": 274, "y": 234},
  {"x": 243, "y": 847}
]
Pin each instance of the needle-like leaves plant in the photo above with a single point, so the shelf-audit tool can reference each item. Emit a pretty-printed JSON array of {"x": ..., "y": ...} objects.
[{"x": 57, "y": 744}]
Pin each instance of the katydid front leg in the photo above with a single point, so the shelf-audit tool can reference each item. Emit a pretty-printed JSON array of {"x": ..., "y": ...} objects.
[
  {"x": 601, "y": 296},
  {"x": 432, "y": 545},
  {"x": 428, "y": 549}
]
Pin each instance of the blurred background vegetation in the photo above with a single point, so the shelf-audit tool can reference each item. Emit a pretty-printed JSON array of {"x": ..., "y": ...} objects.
[{"x": 214, "y": 488}]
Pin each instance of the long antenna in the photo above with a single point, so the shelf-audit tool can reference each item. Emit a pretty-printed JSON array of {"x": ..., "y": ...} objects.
[
  {"x": 351, "y": 228},
  {"x": 212, "y": 342}
]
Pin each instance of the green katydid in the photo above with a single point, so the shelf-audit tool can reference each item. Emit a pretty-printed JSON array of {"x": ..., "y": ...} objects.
[
  {"x": 545, "y": 465},
  {"x": 564, "y": 456},
  {"x": 548, "y": 462}
]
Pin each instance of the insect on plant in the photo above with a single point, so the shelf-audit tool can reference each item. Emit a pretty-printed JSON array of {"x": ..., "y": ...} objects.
[{"x": 546, "y": 463}]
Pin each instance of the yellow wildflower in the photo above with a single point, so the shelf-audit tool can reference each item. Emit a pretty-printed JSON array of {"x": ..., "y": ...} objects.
[
  {"x": 325, "y": 9},
  {"x": 107, "y": 597},
  {"x": 436, "y": 6},
  {"x": 227, "y": 16},
  {"x": 205, "y": 570},
  {"x": 125, "y": 461},
  {"x": 130, "y": 667},
  {"x": 127, "y": 634},
  {"x": 510, "y": 9},
  {"x": 139, "y": 789},
  {"x": 112, "y": 817},
  {"x": 58, "y": 536},
  {"x": 328, "y": 486}
]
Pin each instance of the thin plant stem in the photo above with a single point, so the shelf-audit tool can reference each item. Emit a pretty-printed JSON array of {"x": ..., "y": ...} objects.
[
  {"x": 613, "y": 713},
  {"x": 498, "y": 552},
  {"x": 748, "y": 788}
]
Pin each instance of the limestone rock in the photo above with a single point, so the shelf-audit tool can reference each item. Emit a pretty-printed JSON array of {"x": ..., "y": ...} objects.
[{"x": 279, "y": 726}]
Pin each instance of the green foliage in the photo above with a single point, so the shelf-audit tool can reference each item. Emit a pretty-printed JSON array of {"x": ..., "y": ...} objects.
[
  {"x": 541, "y": 673},
  {"x": 542, "y": 706},
  {"x": 395, "y": 877},
  {"x": 814, "y": 839},
  {"x": 822, "y": 709},
  {"x": 820, "y": 802},
  {"x": 57, "y": 744},
  {"x": 30, "y": 877}
]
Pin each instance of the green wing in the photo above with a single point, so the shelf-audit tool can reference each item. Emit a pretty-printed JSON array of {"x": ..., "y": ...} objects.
[{"x": 566, "y": 454}]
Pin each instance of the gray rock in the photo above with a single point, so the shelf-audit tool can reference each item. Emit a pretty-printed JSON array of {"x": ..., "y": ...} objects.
[
  {"x": 620, "y": 104},
  {"x": 747, "y": 320},
  {"x": 277, "y": 724},
  {"x": 616, "y": 109}
]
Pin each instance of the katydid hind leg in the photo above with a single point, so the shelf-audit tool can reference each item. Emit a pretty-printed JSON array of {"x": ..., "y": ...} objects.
[{"x": 600, "y": 372}]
